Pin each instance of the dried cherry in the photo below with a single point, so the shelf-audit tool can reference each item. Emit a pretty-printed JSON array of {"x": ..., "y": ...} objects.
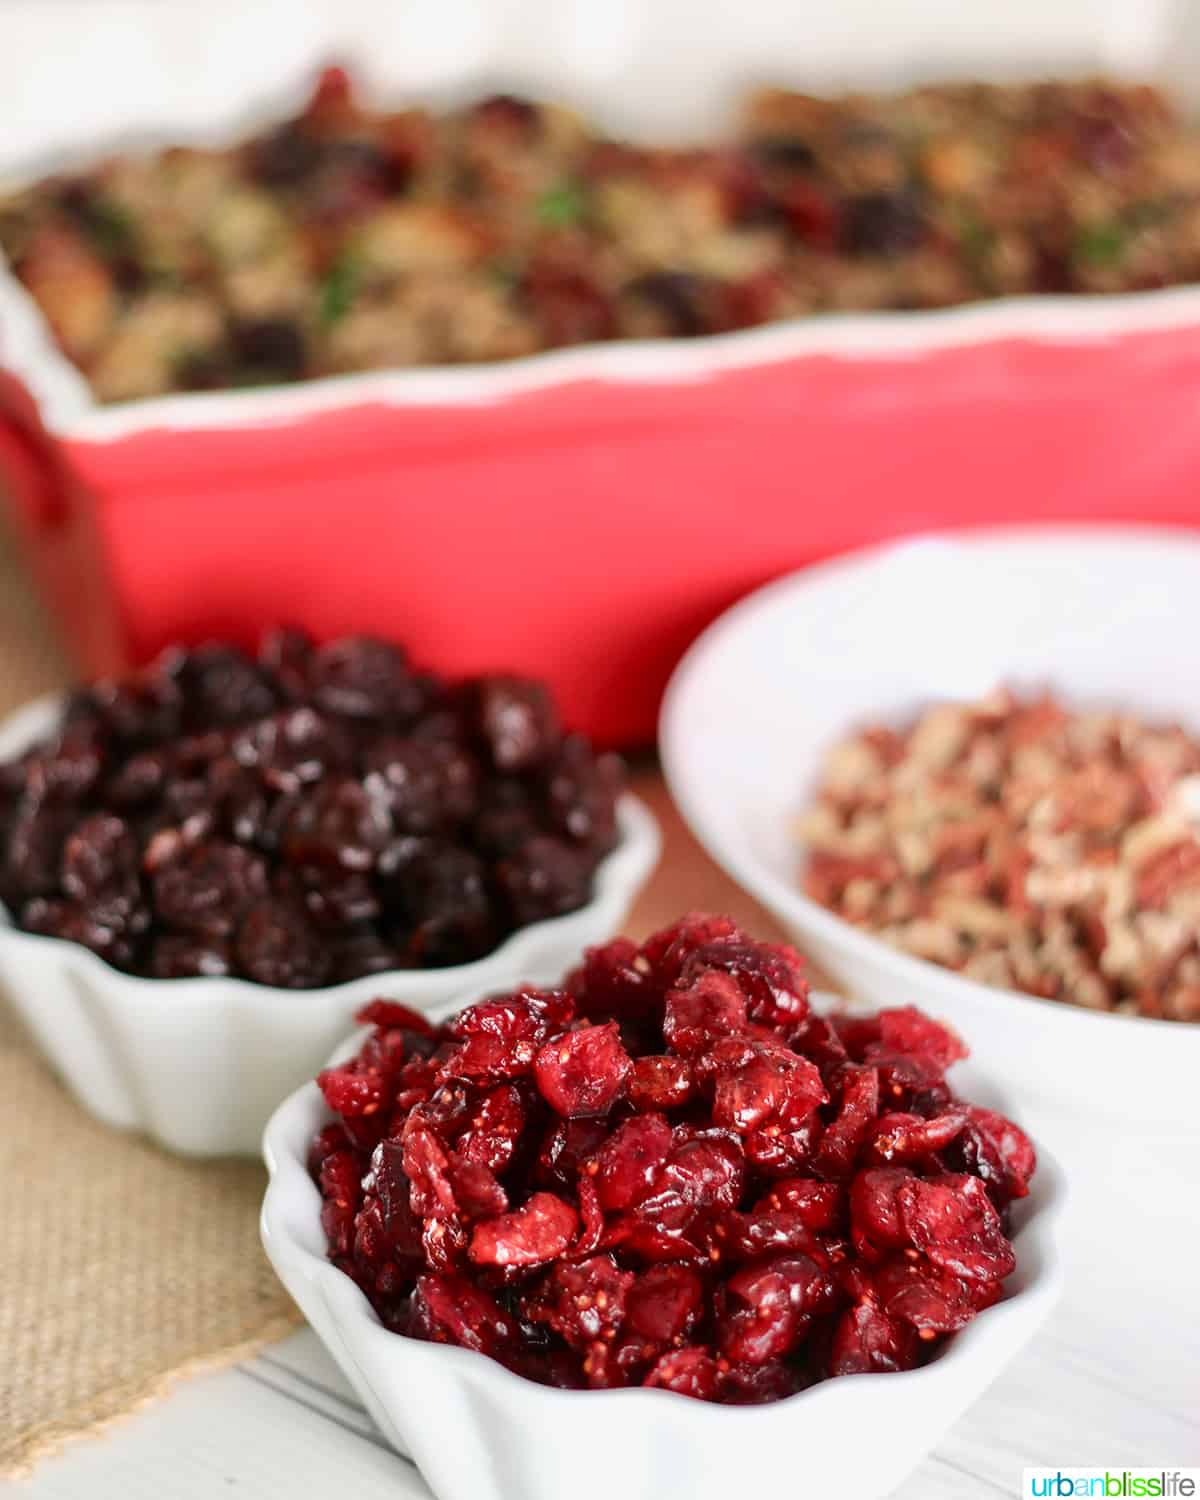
[{"x": 209, "y": 811}]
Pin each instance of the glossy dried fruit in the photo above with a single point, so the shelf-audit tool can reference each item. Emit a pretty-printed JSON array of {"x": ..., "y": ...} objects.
[
  {"x": 998, "y": 1152},
  {"x": 585, "y": 1301},
  {"x": 898, "y": 1137},
  {"x": 689, "y": 1372},
  {"x": 583, "y": 1072},
  {"x": 868, "y": 1341},
  {"x": 450, "y": 1309},
  {"x": 771, "y": 977},
  {"x": 517, "y": 721},
  {"x": 628, "y": 1163},
  {"x": 732, "y": 1221},
  {"x": 711, "y": 1007},
  {"x": 661, "y": 1083},
  {"x": 764, "y": 1308},
  {"x": 312, "y": 816},
  {"x": 931, "y": 1300},
  {"x": 210, "y": 889},
  {"x": 757, "y": 1082},
  {"x": 539, "y": 1231},
  {"x": 665, "y": 1304},
  {"x": 856, "y": 1114},
  {"x": 953, "y": 1221}
]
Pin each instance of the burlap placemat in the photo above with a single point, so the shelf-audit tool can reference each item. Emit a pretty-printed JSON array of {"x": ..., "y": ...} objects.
[{"x": 122, "y": 1267}]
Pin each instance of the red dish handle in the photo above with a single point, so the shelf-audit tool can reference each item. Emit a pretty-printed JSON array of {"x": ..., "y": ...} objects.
[{"x": 31, "y": 459}]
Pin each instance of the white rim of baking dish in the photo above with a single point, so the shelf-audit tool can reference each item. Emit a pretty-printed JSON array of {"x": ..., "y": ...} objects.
[
  {"x": 69, "y": 409},
  {"x": 292, "y": 1234},
  {"x": 622, "y": 871},
  {"x": 780, "y": 895}
]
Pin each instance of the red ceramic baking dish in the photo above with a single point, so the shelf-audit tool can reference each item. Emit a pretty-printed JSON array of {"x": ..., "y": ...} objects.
[{"x": 580, "y": 514}]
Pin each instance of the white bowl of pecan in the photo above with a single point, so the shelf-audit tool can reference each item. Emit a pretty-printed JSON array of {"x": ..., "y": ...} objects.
[{"x": 968, "y": 769}]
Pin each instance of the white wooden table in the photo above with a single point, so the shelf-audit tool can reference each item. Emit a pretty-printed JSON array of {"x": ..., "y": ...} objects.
[{"x": 1114, "y": 1377}]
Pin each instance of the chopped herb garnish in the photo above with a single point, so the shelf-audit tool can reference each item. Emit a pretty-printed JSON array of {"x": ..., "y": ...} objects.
[
  {"x": 1100, "y": 244},
  {"x": 561, "y": 206},
  {"x": 338, "y": 291},
  {"x": 505, "y": 273},
  {"x": 976, "y": 238}
]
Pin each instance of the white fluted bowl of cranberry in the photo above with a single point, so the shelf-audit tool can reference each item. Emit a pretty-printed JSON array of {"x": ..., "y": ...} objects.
[
  {"x": 206, "y": 869},
  {"x": 673, "y": 1229}
]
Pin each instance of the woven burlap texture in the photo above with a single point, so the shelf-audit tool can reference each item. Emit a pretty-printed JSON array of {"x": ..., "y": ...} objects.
[{"x": 122, "y": 1267}]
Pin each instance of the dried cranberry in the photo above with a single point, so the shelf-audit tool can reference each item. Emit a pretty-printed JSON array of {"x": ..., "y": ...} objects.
[
  {"x": 771, "y": 978},
  {"x": 583, "y": 1072},
  {"x": 450, "y": 1309},
  {"x": 667, "y": 952},
  {"x": 538, "y": 1232},
  {"x": 704, "y": 1171},
  {"x": 712, "y": 1006},
  {"x": 760, "y": 1316},
  {"x": 859, "y": 1106},
  {"x": 628, "y": 1163},
  {"x": 931, "y": 1300},
  {"x": 875, "y": 1220},
  {"x": 679, "y": 298},
  {"x": 998, "y": 1152},
  {"x": 665, "y": 1304},
  {"x": 867, "y": 1340},
  {"x": 756, "y": 1082},
  {"x": 565, "y": 1149},
  {"x": 503, "y": 1181},
  {"x": 953, "y": 1221},
  {"x": 477, "y": 1191},
  {"x": 906, "y": 1137},
  {"x": 585, "y": 1302},
  {"x": 571, "y": 306},
  {"x": 284, "y": 158},
  {"x": 819, "y": 1205},
  {"x": 909, "y": 1031},
  {"x": 658, "y": 1083},
  {"x": 690, "y": 1371}
]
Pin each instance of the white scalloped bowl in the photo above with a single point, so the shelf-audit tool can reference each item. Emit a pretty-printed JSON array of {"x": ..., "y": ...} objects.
[
  {"x": 199, "y": 1064},
  {"x": 479, "y": 1432},
  {"x": 1105, "y": 616}
]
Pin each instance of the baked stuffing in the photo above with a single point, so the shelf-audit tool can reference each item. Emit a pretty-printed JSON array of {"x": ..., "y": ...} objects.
[{"x": 355, "y": 239}]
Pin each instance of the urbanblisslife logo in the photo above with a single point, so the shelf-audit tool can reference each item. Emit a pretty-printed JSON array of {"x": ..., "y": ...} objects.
[{"x": 1112, "y": 1484}]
